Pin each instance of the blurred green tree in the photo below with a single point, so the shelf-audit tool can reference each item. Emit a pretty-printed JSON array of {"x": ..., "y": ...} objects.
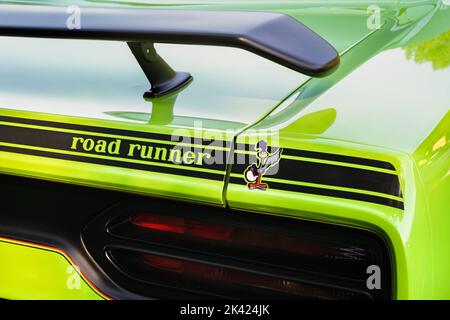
[{"x": 435, "y": 50}]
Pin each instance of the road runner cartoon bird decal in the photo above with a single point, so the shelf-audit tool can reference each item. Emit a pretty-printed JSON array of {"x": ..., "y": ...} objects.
[{"x": 255, "y": 171}]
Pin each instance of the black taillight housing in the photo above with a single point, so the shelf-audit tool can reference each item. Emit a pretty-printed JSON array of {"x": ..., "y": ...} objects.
[{"x": 162, "y": 249}]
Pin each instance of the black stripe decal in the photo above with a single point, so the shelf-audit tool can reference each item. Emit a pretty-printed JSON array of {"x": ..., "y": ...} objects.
[
  {"x": 328, "y": 192},
  {"x": 114, "y": 163},
  {"x": 164, "y": 137},
  {"x": 226, "y": 144},
  {"x": 62, "y": 141},
  {"x": 332, "y": 175},
  {"x": 112, "y": 131},
  {"x": 294, "y": 170},
  {"x": 339, "y": 158},
  {"x": 327, "y": 156}
]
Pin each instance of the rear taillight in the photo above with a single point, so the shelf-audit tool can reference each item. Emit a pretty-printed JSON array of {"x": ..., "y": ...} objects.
[
  {"x": 221, "y": 281},
  {"x": 209, "y": 252},
  {"x": 245, "y": 237}
]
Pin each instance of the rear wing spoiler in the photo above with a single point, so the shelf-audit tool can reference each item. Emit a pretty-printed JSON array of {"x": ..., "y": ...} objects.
[{"x": 277, "y": 37}]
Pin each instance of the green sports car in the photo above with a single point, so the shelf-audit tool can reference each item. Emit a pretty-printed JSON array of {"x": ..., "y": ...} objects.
[{"x": 262, "y": 149}]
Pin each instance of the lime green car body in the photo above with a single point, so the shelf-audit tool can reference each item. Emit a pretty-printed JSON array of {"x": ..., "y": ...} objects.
[{"x": 388, "y": 101}]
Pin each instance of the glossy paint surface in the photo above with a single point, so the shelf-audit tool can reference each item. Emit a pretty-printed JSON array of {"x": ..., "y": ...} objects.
[
  {"x": 388, "y": 108},
  {"x": 46, "y": 274},
  {"x": 388, "y": 101}
]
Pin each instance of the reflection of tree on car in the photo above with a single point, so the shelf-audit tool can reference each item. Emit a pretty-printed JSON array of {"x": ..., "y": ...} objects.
[{"x": 435, "y": 50}]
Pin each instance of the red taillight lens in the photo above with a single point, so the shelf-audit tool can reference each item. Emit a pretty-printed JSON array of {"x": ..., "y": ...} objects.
[
  {"x": 182, "y": 226},
  {"x": 227, "y": 234},
  {"x": 159, "y": 222}
]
